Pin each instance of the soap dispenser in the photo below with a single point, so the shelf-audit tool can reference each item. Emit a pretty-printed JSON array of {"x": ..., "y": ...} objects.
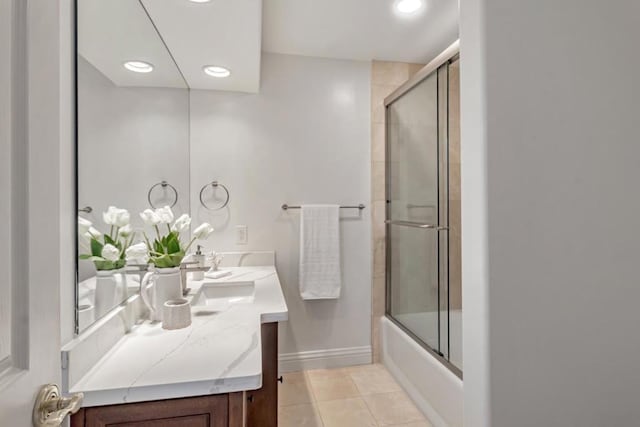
[{"x": 199, "y": 258}]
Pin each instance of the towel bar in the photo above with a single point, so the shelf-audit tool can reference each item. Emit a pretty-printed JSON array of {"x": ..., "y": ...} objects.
[{"x": 360, "y": 206}]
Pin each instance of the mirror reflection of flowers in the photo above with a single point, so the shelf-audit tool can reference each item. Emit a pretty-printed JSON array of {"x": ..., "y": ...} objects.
[
  {"x": 113, "y": 250},
  {"x": 167, "y": 250}
]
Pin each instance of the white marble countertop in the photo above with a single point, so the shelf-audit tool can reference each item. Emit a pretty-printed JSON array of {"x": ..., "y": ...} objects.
[{"x": 219, "y": 353}]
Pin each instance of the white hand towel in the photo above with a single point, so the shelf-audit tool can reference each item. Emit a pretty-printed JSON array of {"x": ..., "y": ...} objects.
[{"x": 320, "y": 276}]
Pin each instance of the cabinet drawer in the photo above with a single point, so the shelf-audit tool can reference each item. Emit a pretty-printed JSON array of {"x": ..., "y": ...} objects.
[
  {"x": 206, "y": 411},
  {"x": 202, "y": 420}
]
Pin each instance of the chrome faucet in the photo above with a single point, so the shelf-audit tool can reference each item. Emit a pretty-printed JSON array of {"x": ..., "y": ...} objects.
[{"x": 185, "y": 268}]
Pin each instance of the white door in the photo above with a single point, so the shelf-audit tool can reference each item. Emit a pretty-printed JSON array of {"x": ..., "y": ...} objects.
[{"x": 29, "y": 204}]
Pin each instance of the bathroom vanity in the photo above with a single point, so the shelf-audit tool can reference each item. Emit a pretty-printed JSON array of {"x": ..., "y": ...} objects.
[
  {"x": 220, "y": 371},
  {"x": 218, "y": 410}
]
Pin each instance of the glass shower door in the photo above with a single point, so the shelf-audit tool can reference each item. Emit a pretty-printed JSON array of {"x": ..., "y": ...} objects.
[{"x": 413, "y": 213}]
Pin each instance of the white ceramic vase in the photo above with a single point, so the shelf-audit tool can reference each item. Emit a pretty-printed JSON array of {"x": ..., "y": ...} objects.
[
  {"x": 111, "y": 290},
  {"x": 159, "y": 286}
]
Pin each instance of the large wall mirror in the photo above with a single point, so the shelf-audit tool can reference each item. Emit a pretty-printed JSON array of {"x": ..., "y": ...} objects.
[{"x": 132, "y": 148}]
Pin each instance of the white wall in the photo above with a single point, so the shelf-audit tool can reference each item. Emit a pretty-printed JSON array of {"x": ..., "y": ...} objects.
[
  {"x": 303, "y": 139},
  {"x": 67, "y": 172},
  {"x": 473, "y": 171},
  {"x": 129, "y": 139},
  {"x": 550, "y": 179},
  {"x": 5, "y": 176}
]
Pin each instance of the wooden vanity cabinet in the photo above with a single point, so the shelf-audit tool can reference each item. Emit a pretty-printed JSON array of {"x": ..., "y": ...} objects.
[
  {"x": 262, "y": 404},
  {"x": 258, "y": 408}
]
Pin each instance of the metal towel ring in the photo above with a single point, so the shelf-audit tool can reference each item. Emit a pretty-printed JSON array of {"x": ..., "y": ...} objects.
[
  {"x": 164, "y": 184},
  {"x": 214, "y": 184}
]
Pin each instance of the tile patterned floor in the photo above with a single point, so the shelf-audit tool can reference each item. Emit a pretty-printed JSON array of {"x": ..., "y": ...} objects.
[{"x": 359, "y": 396}]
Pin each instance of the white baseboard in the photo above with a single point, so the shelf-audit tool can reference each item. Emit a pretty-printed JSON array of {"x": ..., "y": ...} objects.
[{"x": 324, "y": 359}]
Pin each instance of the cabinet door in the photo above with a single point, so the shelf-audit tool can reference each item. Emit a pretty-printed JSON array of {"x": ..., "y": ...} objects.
[
  {"x": 208, "y": 411},
  {"x": 262, "y": 404}
]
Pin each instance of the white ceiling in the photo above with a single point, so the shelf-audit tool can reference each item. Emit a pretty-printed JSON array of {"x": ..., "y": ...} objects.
[
  {"x": 114, "y": 31},
  {"x": 226, "y": 33},
  {"x": 359, "y": 29},
  {"x": 232, "y": 34}
]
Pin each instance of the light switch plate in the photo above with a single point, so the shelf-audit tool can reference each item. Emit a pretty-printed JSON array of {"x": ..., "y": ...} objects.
[{"x": 242, "y": 235}]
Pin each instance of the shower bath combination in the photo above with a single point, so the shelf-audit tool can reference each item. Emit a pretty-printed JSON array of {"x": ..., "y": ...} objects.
[{"x": 423, "y": 241}]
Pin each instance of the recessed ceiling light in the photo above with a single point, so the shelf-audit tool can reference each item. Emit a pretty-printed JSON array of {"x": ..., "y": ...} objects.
[
  {"x": 216, "y": 71},
  {"x": 408, "y": 6},
  {"x": 138, "y": 66},
  {"x": 199, "y": 1}
]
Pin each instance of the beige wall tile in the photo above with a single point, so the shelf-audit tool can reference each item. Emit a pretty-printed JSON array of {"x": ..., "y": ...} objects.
[
  {"x": 375, "y": 339},
  {"x": 346, "y": 413},
  {"x": 455, "y": 219},
  {"x": 306, "y": 415},
  {"x": 378, "y": 293},
  {"x": 379, "y": 257},
  {"x": 377, "y": 142},
  {"x": 295, "y": 389},
  {"x": 414, "y": 68},
  {"x": 454, "y": 181},
  {"x": 393, "y": 408},
  {"x": 378, "y": 217},
  {"x": 385, "y": 72},
  {"x": 455, "y": 255},
  {"x": 378, "y": 94},
  {"x": 378, "y": 177}
]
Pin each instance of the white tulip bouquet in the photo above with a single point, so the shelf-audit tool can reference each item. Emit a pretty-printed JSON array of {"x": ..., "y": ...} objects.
[
  {"x": 111, "y": 251},
  {"x": 167, "y": 250}
]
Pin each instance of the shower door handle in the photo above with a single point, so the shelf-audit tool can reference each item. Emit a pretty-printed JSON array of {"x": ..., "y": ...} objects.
[{"x": 417, "y": 225}]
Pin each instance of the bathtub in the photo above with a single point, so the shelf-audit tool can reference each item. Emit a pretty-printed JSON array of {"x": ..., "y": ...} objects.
[{"x": 433, "y": 387}]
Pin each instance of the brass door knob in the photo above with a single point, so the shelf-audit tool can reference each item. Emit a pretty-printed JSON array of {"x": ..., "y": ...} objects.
[{"x": 51, "y": 408}]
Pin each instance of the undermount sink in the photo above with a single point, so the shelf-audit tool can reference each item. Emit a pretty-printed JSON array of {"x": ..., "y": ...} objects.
[{"x": 220, "y": 295}]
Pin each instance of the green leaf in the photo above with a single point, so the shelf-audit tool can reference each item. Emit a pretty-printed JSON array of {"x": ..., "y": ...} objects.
[
  {"x": 168, "y": 261},
  {"x": 85, "y": 256},
  {"x": 104, "y": 265},
  {"x": 157, "y": 246},
  {"x": 162, "y": 261},
  {"x": 109, "y": 240},
  {"x": 176, "y": 259},
  {"x": 173, "y": 245},
  {"x": 96, "y": 247}
]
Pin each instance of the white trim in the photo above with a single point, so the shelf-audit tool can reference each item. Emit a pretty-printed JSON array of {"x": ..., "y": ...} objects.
[{"x": 324, "y": 359}]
